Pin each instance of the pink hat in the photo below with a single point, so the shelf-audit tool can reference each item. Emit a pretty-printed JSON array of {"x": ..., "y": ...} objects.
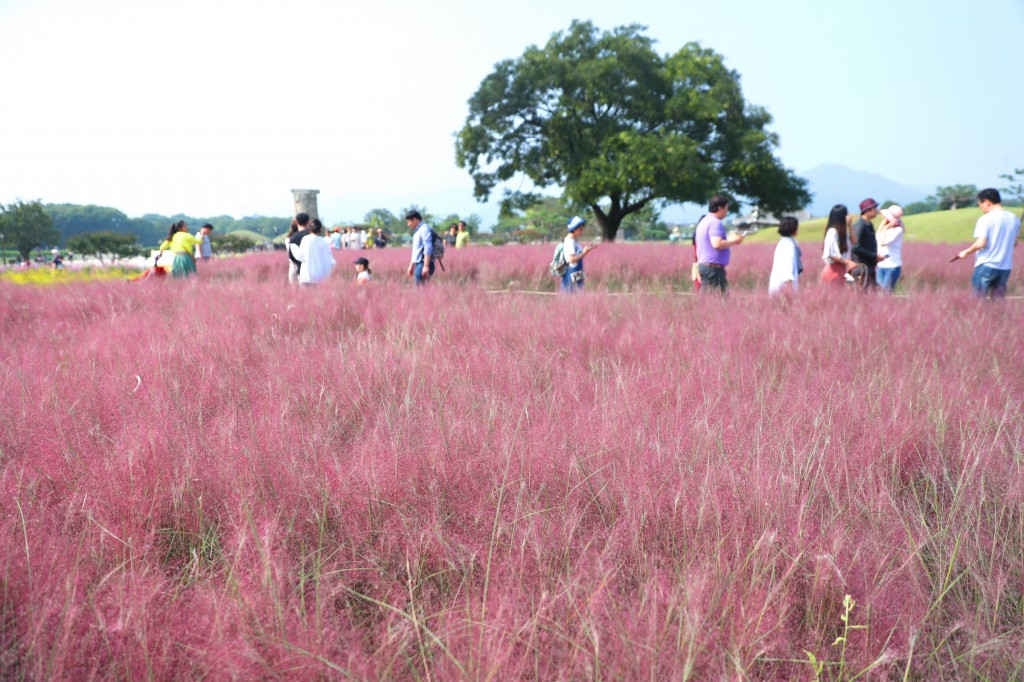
[{"x": 892, "y": 215}]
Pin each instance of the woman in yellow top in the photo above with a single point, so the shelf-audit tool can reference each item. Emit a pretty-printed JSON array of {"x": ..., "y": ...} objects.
[{"x": 183, "y": 245}]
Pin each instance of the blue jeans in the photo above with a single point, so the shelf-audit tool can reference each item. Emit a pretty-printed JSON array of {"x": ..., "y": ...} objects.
[
  {"x": 887, "y": 277},
  {"x": 418, "y": 272},
  {"x": 988, "y": 282}
]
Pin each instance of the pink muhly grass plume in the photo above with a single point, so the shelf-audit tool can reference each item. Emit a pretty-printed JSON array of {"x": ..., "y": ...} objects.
[{"x": 231, "y": 477}]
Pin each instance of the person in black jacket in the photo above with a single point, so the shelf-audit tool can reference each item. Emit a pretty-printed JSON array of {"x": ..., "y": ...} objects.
[
  {"x": 865, "y": 246},
  {"x": 300, "y": 229}
]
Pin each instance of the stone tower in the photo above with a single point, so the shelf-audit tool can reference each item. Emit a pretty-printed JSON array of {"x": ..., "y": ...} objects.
[{"x": 305, "y": 202}]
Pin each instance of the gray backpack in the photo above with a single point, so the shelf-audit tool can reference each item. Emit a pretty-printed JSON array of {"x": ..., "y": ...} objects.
[{"x": 559, "y": 266}]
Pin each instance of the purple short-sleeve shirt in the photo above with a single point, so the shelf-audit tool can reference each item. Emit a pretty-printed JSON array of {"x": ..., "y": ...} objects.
[{"x": 708, "y": 227}]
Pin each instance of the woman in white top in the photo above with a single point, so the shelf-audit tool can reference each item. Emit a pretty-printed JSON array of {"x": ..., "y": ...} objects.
[
  {"x": 787, "y": 265},
  {"x": 836, "y": 253},
  {"x": 890, "y": 243},
  {"x": 315, "y": 255}
]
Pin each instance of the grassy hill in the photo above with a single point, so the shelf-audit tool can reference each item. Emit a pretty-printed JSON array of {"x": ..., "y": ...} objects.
[
  {"x": 254, "y": 237},
  {"x": 942, "y": 227}
]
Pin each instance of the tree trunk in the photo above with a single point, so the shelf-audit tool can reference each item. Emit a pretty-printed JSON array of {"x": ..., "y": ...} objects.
[{"x": 608, "y": 222}]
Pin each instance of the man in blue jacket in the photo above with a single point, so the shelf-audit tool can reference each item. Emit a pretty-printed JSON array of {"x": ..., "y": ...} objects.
[{"x": 422, "y": 265}]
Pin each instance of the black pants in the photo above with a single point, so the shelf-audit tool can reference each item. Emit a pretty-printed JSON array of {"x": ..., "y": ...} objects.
[{"x": 712, "y": 278}]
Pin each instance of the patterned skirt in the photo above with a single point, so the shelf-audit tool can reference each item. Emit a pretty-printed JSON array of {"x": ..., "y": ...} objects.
[{"x": 184, "y": 266}]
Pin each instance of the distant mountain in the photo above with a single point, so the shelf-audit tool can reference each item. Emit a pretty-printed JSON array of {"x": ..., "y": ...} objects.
[{"x": 833, "y": 184}]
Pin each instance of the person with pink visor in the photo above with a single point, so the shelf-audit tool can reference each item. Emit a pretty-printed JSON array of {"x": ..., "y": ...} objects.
[{"x": 890, "y": 244}]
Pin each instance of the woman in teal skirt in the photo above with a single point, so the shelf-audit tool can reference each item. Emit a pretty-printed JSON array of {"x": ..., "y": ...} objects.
[{"x": 183, "y": 244}]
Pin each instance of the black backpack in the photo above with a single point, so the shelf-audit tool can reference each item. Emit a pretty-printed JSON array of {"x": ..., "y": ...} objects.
[{"x": 438, "y": 242}]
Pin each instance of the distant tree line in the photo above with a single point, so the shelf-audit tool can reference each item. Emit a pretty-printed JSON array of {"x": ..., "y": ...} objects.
[
  {"x": 151, "y": 229},
  {"x": 952, "y": 197}
]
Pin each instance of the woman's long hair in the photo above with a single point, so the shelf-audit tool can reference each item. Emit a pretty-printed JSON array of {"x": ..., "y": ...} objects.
[
  {"x": 837, "y": 219},
  {"x": 175, "y": 228}
]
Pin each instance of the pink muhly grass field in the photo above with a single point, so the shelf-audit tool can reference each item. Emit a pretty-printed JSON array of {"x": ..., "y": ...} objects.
[{"x": 233, "y": 478}]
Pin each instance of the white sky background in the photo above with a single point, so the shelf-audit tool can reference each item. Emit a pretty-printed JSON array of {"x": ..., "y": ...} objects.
[{"x": 222, "y": 107}]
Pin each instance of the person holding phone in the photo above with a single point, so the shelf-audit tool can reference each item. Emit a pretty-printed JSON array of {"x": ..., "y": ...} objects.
[
  {"x": 574, "y": 252},
  {"x": 995, "y": 237},
  {"x": 714, "y": 246}
]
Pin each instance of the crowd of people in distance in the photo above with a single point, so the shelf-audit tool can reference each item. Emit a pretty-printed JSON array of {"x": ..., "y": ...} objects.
[
  {"x": 857, "y": 253},
  {"x": 864, "y": 255},
  {"x": 310, "y": 257}
]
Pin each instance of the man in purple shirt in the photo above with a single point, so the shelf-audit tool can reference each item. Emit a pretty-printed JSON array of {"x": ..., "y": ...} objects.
[{"x": 713, "y": 245}]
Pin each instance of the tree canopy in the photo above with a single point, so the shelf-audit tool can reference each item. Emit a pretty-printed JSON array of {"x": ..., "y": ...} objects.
[
  {"x": 953, "y": 197},
  {"x": 103, "y": 243},
  {"x": 618, "y": 126},
  {"x": 26, "y": 226},
  {"x": 74, "y": 219},
  {"x": 1014, "y": 192}
]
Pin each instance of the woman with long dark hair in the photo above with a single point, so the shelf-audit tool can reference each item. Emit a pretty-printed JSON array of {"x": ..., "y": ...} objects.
[
  {"x": 836, "y": 252},
  {"x": 183, "y": 245}
]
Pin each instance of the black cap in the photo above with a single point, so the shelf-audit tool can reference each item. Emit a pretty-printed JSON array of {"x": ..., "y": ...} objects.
[{"x": 361, "y": 261}]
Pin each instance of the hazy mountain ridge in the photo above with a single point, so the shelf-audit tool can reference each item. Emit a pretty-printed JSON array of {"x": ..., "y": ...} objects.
[{"x": 833, "y": 184}]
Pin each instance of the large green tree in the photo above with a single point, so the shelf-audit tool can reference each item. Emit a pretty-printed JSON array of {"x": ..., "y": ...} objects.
[
  {"x": 619, "y": 126},
  {"x": 26, "y": 226}
]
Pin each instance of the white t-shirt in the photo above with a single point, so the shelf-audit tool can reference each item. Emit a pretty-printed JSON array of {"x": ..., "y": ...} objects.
[
  {"x": 571, "y": 247},
  {"x": 203, "y": 246},
  {"x": 784, "y": 266},
  {"x": 831, "y": 249},
  {"x": 363, "y": 277},
  {"x": 317, "y": 260},
  {"x": 1000, "y": 228},
  {"x": 890, "y": 243}
]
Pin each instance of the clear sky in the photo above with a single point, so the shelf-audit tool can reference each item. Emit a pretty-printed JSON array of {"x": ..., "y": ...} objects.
[{"x": 210, "y": 107}]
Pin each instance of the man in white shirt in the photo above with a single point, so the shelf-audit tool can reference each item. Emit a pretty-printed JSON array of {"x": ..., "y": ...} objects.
[
  {"x": 203, "y": 249},
  {"x": 995, "y": 236}
]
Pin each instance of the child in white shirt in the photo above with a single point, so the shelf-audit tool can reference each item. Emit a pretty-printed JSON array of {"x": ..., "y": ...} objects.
[{"x": 362, "y": 271}]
